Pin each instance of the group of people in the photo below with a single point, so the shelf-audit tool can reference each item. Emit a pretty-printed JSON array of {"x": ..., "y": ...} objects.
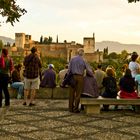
[
  {"x": 11, "y": 74},
  {"x": 78, "y": 75}
]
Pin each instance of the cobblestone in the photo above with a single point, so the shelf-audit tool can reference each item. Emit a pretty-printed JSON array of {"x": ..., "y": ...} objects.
[{"x": 50, "y": 120}]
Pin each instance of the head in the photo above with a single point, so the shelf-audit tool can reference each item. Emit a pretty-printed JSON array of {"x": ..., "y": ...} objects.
[
  {"x": 89, "y": 73},
  {"x": 134, "y": 56},
  {"x": 51, "y": 66},
  {"x": 33, "y": 49},
  {"x": 80, "y": 52},
  {"x": 128, "y": 73},
  {"x": 99, "y": 66},
  {"x": 110, "y": 72},
  {"x": 19, "y": 66},
  {"x": 4, "y": 52},
  {"x": 66, "y": 66}
]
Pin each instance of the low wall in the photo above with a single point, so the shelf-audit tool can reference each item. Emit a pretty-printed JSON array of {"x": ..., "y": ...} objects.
[{"x": 46, "y": 93}]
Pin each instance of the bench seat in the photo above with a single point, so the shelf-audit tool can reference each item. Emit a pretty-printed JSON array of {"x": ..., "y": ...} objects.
[{"x": 92, "y": 105}]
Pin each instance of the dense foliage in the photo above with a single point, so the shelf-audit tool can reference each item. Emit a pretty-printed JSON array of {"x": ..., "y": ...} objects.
[{"x": 10, "y": 10}]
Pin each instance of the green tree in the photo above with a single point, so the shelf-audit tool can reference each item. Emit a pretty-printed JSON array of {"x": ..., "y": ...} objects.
[
  {"x": 10, "y": 10},
  {"x": 133, "y": 1}
]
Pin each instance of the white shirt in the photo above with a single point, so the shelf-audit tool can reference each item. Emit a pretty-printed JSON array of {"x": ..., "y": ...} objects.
[{"x": 134, "y": 66}]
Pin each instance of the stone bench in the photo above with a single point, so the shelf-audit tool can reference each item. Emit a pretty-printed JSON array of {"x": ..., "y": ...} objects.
[
  {"x": 92, "y": 105},
  {"x": 46, "y": 93}
]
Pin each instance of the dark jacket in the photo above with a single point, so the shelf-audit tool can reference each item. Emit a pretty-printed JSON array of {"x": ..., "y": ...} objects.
[
  {"x": 110, "y": 85},
  {"x": 49, "y": 79},
  {"x": 16, "y": 76}
]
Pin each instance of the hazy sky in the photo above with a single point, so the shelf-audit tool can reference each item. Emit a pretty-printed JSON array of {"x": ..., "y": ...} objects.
[{"x": 114, "y": 20}]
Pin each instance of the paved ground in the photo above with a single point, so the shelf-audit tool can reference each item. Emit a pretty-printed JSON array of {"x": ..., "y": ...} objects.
[{"x": 50, "y": 120}]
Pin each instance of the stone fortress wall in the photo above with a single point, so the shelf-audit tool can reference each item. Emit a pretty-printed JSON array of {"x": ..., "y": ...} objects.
[{"x": 23, "y": 44}]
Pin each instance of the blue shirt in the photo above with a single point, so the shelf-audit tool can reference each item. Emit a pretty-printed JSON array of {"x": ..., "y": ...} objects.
[{"x": 77, "y": 65}]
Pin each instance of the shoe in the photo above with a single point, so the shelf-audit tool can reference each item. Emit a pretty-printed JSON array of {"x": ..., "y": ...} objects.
[
  {"x": 31, "y": 104},
  {"x": 24, "y": 103}
]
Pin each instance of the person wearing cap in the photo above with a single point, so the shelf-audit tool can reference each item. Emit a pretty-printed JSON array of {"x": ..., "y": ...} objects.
[
  {"x": 133, "y": 65},
  {"x": 16, "y": 81},
  {"x": 77, "y": 66},
  {"x": 32, "y": 69},
  {"x": 49, "y": 77},
  {"x": 6, "y": 67}
]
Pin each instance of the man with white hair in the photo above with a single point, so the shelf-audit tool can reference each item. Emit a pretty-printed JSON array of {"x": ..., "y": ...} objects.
[{"x": 77, "y": 66}]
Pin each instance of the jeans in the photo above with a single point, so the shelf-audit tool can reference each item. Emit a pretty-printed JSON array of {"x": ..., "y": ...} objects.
[{"x": 20, "y": 87}]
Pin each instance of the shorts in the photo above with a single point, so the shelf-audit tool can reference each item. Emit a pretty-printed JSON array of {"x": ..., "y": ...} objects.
[{"x": 31, "y": 83}]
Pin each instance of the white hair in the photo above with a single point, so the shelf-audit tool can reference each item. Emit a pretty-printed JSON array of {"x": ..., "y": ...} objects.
[{"x": 80, "y": 51}]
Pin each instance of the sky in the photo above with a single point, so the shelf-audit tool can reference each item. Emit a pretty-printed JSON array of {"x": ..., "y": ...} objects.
[{"x": 72, "y": 20}]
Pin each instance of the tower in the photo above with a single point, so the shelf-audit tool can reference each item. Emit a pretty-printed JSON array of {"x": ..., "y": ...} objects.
[
  {"x": 19, "y": 40},
  {"x": 89, "y": 44}
]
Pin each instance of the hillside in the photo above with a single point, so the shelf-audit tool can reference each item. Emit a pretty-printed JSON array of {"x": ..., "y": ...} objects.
[
  {"x": 117, "y": 47},
  {"x": 7, "y": 39}
]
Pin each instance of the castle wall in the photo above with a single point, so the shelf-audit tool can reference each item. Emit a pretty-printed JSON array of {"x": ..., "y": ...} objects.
[
  {"x": 59, "y": 50},
  {"x": 94, "y": 57}
]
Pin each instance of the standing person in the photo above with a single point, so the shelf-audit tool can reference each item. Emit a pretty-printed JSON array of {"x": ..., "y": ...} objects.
[
  {"x": 6, "y": 67},
  {"x": 16, "y": 81},
  {"x": 133, "y": 65},
  {"x": 77, "y": 66},
  {"x": 49, "y": 77},
  {"x": 100, "y": 75},
  {"x": 32, "y": 65}
]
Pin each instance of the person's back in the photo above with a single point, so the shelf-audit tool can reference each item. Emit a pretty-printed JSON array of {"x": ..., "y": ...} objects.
[
  {"x": 62, "y": 74},
  {"x": 100, "y": 75},
  {"x": 90, "y": 86},
  {"x": 49, "y": 78},
  {"x": 133, "y": 65},
  {"x": 33, "y": 66},
  {"x": 16, "y": 81},
  {"x": 127, "y": 86},
  {"x": 6, "y": 67},
  {"x": 77, "y": 66}
]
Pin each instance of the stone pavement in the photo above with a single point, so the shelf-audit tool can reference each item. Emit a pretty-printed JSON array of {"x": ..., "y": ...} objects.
[{"x": 50, "y": 120}]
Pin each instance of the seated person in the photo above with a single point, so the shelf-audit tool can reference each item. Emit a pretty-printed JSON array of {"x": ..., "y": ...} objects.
[
  {"x": 90, "y": 89},
  {"x": 49, "y": 77},
  {"x": 62, "y": 74},
  {"x": 127, "y": 86},
  {"x": 90, "y": 86},
  {"x": 110, "y": 85},
  {"x": 16, "y": 81}
]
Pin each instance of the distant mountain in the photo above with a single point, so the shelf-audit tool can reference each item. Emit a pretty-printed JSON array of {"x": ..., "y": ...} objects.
[
  {"x": 7, "y": 39},
  {"x": 117, "y": 47}
]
